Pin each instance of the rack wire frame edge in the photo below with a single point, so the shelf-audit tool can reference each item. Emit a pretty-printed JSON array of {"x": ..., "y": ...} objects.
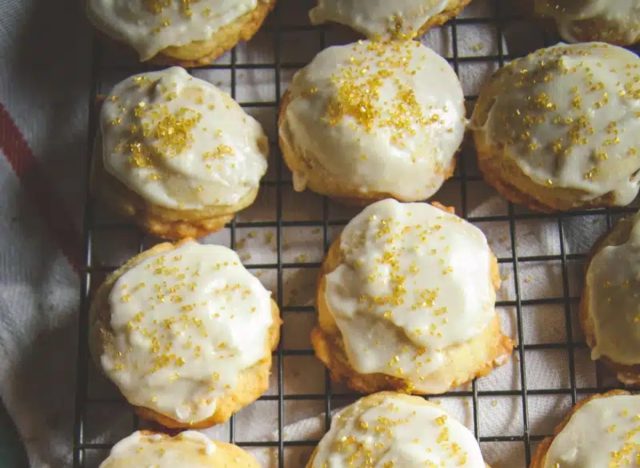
[{"x": 331, "y": 398}]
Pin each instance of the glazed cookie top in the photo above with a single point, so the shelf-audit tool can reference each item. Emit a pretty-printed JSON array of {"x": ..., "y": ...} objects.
[
  {"x": 184, "y": 324},
  {"x": 180, "y": 142},
  {"x": 413, "y": 281},
  {"x": 570, "y": 118},
  {"x": 150, "y": 26},
  {"x": 569, "y": 13},
  {"x": 604, "y": 432},
  {"x": 185, "y": 450},
  {"x": 390, "y": 429},
  {"x": 613, "y": 280},
  {"x": 379, "y": 18},
  {"x": 385, "y": 117}
]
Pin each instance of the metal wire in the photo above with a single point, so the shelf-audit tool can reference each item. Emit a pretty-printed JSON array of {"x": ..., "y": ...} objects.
[{"x": 94, "y": 226}]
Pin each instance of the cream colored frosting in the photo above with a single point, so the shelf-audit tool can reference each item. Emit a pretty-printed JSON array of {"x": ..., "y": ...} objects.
[
  {"x": 381, "y": 117},
  {"x": 184, "y": 325},
  {"x": 414, "y": 280},
  {"x": 613, "y": 280},
  {"x": 620, "y": 19},
  {"x": 150, "y": 26},
  {"x": 379, "y": 18},
  {"x": 605, "y": 432},
  {"x": 392, "y": 430},
  {"x": 180, "y": 142},
  {"x": 189, "y": 449},
  {"x": 570, "y": 118}
]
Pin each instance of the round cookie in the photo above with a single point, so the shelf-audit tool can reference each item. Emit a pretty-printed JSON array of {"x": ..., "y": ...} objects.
[
  {"x": 177, "y": 155},
  {"x": 393, "y": 430},
  {"x": 186, "y": 333},
  {"x": 372, "y": 120},
  {"x": 600, "y": 431},
  {"x": 610, "y": 306},
  {"x": 182, "y": 32},
  {"x": 382, "y": 19},
  {"x": 188, "y": 449},
  {"x": 559, "y": 129},
  {"x": 613, "y": 21},
  {"x": 406, "y": 301}
]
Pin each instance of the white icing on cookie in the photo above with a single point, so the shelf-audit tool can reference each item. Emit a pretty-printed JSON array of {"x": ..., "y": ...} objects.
[
  {"x": 380, "y": 117},
  {"x": 189, "y": 449},
  {"x": 570, "y": 119},
  {"x": 414, "y": 280},
  {"x": 605, "y": 432},
  {"x": 379, "y": 18},
  {"x": 613, "y": 280},
  {"x": 393, "y": 430},
  {"x": 150, "y": 26},
  {"x": 184, "y": 325},
  {"x": 620, "y": 19},
  {"x": 180, "y": 142}
]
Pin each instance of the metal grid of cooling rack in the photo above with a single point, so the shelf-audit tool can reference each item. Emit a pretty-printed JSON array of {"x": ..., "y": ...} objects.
[{"x": 498, "y": 14}]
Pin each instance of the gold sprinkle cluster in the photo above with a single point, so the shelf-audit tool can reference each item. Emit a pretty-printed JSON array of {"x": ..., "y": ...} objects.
[
  {"x": 568, "y": 116},
  {"x": 155, "y": 131},
  {"x": 390, "y": 236},
  {"x": 629, "y": 452},
  {"x": 358, "y": 91},
  {"x": 371, "y": 438},
  {"x": 171, "y": 284},
  {"x": 220, "y": 152},
  {"x": 159, "y": 9}
]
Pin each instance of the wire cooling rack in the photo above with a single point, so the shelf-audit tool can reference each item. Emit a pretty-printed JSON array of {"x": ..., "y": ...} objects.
[{"x": 541, "y": 258}]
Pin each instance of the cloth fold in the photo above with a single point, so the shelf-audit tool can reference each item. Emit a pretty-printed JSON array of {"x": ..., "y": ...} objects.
[{"x": 44, "y": 83}]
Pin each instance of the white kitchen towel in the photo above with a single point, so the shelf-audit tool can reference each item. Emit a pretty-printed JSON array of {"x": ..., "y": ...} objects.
[
  {"x": 44, "y": 95},
  {"x": 44, "y": 77}
]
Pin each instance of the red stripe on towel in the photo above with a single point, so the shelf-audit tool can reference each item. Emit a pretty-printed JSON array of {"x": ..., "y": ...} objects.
[{"x": 38, "y": 189}]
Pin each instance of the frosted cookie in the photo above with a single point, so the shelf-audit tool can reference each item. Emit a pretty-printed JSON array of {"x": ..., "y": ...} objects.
[
  {"x": 384, "y": 19},
  {"x": 392, "y": 430},
  {"x": 189, "y": 449},
  {"x": 177, "y": 155},
  {"x": 406, "y": 301},
  {"x": 600, "y": 431},
  {"x": 613, "y": 21},
  {"x": 186, "y": 333},
  {"x": 372, "y": 120},
  {"x": 610, "y": 307},
  {"x": 183, "y": 32},
  {"x": 559, "y": 129}
]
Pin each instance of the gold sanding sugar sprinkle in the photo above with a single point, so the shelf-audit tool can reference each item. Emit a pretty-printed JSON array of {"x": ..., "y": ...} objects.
[
  {"x": 172, "y": 132},
  {"x": 141, "y": 80},
  {"x": 543, "y": 108},
  {"x": 628, "y": 454},
  {"x": 440, "y": 420},
  {"x": 427, "y": 298},
  {"x": 158, "y": 6},
  {"x": 396, "y": 30},
  {"x": 443, "y": 436},
  {"x": 591, "y": 173},
  {"x": 358, "y": 91},
  {"x": 139, "y": 155},
  {"x": 357, "y": 100},
  {"x": 220, "y": 152},
  {"x": 543, "y": 101}
]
